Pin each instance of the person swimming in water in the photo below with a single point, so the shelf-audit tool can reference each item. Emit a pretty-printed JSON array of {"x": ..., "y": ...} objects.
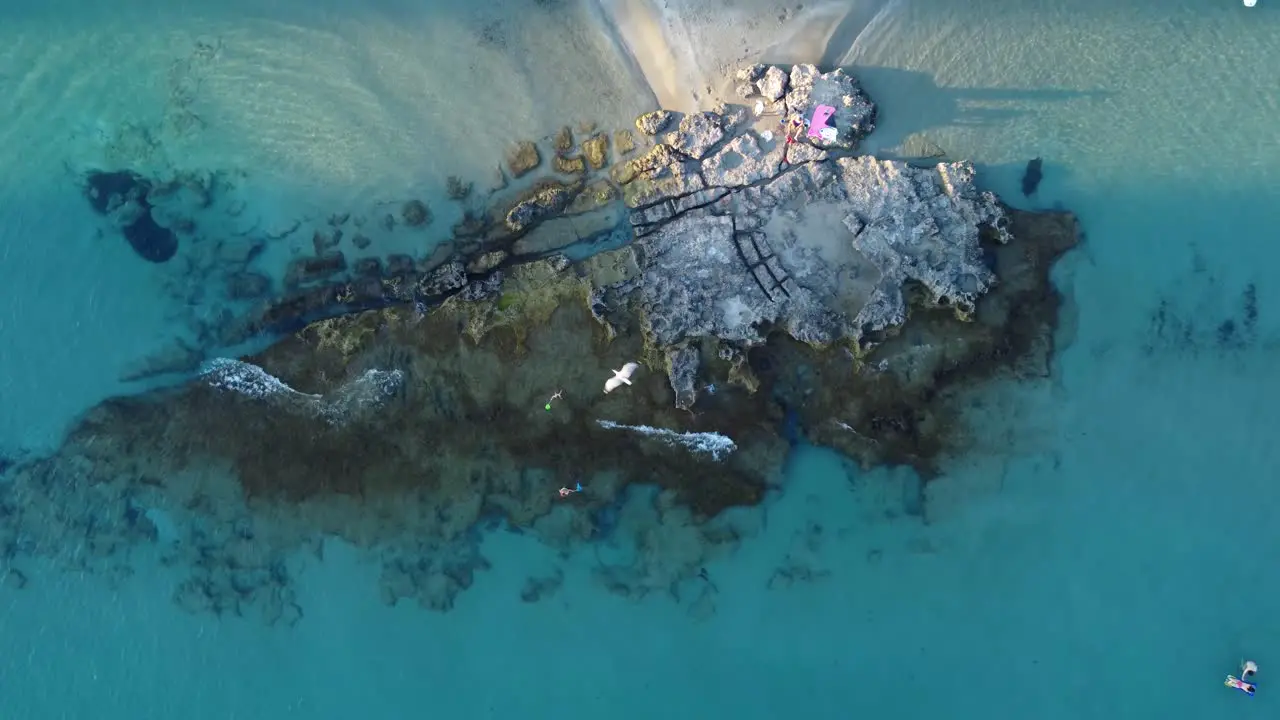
[
  {"x": 1234, "y": 682},
  {"x": 559, "y": 394},
  {"x": 1248, "y": 669}
]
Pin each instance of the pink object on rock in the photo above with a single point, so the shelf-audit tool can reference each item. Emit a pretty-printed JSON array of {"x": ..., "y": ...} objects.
[{"x": 821, "y": 115}]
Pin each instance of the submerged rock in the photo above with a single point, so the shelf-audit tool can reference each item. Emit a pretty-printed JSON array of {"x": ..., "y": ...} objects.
[
  {"x": 522, "y": 158},
  {"x": 623, "y": 142},
  {"x": 1031, "y": 178},
  {"x": 123, "y": 197},
  {"x": 414, "y": 213},
  {"x": 149, "y": 240}
]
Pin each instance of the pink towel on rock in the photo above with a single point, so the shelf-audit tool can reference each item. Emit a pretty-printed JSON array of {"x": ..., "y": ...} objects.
[{"x": 821, "y": 115}]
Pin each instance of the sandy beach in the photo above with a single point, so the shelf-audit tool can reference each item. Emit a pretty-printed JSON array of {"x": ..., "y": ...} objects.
[{"x": 688, "y": 50}]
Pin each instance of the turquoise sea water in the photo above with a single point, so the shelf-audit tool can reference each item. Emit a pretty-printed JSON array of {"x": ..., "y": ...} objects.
[{"x": 1106, "y": 551}]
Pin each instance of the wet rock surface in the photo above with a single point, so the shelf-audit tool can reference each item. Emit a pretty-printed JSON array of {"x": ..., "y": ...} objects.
[{"x": 766, "y": 288}]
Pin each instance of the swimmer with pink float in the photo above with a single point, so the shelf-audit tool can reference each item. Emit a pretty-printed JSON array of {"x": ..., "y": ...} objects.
[{"x": 1247, "y": 670}]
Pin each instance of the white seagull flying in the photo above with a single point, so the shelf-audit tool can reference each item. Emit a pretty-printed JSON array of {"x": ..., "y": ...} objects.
[{"x": 621, "y": 377}]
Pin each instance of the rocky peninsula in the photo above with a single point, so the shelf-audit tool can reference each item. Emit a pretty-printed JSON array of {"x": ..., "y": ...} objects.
[{"x": 773, "y": 284}]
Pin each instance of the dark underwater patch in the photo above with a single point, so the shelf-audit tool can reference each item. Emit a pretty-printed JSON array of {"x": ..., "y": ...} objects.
[
  {"x": 1031, "y": 178},
  {"x": 150, "y": 241},
  {"x": 107, "y": 192},
  {"x": 1202, "y": 316}
]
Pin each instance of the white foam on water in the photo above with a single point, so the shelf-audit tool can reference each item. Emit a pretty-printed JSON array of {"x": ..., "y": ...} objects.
[
  {"x": 355, "y": 399},
  {"x": 247, "y": 379},
  {"x": 706, "y": 443},
  {"x": 365, "y": 394}
]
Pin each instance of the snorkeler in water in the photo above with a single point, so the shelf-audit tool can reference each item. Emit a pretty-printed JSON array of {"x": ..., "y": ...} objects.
[
  {"x": 559, "y": 394},
  {"x": 1248, "y": 669},
  {"x": 1234, "y": 682}
]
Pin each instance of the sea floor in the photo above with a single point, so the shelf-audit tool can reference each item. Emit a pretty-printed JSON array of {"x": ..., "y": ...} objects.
[{"x": 1103, "y": 552}]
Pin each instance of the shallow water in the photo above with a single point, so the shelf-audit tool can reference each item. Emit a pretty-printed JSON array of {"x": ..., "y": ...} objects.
[{"x": 1103, "y": 554}]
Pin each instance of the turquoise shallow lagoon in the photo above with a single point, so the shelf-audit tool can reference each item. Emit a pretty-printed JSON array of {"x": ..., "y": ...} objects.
[{"x": 1105, "y": 551}]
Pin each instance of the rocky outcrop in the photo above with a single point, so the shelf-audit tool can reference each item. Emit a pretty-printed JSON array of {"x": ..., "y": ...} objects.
[
  {"x": 696, "y": 134},
  {"x": 823, "y": 251},
  {"x": 797, "y": 94},
  {"x": 769, "y": 290},
  {"x": 654, "y": 122}
]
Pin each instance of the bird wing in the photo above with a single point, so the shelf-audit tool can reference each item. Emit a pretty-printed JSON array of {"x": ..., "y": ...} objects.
[
  {"x": 628, "y": 369},
  {"x": 612, "y": 384}
]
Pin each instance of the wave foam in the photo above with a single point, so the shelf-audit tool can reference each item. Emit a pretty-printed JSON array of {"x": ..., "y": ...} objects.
[
  {"x": 353, "y": 400},
  {"x": 713, "y": 444}
]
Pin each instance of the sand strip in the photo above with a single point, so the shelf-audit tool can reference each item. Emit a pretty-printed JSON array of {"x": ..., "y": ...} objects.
[{"x": 640, "y": 29}]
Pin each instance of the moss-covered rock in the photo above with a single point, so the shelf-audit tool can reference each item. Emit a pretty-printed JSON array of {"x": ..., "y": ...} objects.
[
  {"x": 522, "y": 158},
  {"x": 569, "y": 165},
  {"x": 650, "y": 164},
  {"x": 541, "y": 202},
  {"x": 594, "y": 196},
  {"x": 596, "y": 151},
  {"x": 530, "y": 294}
]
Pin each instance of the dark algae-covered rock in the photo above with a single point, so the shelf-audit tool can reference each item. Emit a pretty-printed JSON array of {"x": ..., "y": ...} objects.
[
  {"x": 1032, "y": 176},
  {"x": 122, "y": 196},
  {"x": 769, "y": 291},
  {"x": 152, "y": 242}
]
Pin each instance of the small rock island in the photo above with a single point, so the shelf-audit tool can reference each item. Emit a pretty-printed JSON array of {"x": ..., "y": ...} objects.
[{"x": 773, "y": 284}]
